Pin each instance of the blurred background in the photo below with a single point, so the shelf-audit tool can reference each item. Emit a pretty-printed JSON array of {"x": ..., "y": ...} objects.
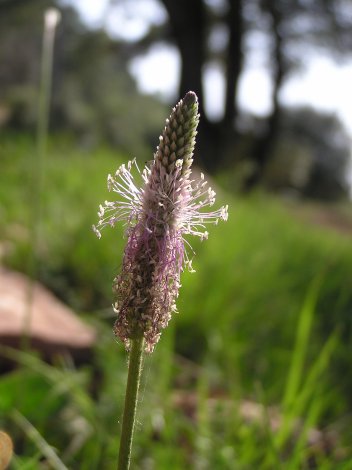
[{"x": 254, "y": 372}]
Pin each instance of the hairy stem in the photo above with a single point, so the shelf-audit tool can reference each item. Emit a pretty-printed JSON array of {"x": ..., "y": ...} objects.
[{"x": 129, "y": 413}]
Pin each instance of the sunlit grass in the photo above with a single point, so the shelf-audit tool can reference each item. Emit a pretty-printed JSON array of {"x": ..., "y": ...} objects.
[{"x": 266, "y": 318}]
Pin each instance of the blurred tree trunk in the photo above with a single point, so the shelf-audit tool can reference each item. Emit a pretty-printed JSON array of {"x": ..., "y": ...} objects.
[
  {"x": 234, "y": 61},
  {"x": 188, "y": 21},
  {"x": 264, "y": 146}
]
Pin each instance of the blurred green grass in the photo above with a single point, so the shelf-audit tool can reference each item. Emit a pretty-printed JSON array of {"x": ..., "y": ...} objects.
[{"x": 267, "y": 317}]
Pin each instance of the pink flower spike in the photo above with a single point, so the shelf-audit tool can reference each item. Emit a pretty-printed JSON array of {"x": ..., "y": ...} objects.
[{"x": 158, "y": 214}]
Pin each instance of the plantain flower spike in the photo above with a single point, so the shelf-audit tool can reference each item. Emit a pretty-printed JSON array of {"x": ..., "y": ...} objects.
[{"x": 158, "y": 214}]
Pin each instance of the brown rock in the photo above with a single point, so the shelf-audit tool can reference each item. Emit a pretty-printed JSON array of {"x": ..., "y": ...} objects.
[{"x": 27, "y": 309}]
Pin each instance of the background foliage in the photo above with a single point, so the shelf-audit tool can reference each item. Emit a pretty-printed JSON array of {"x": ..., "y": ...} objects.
[
  {"x": 254, "y": 370},
  {"x": 266, "y": 318}
]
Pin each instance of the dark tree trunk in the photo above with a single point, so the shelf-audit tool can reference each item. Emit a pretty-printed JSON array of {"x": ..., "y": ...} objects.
[
  {"x": 187, "y": 20},
  {"x": 264, "y": 147},
  {"x": 224, "y": 136},
  {"x": 189, "y": 24},
  {"x": 234, "y": 61}
]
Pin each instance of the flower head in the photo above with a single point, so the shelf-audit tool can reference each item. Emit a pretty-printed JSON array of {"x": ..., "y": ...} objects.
[{"x": 158, "y": 215}]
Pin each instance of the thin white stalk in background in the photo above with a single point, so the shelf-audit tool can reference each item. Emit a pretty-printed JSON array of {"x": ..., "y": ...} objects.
[{"x": 51, "y": 20}]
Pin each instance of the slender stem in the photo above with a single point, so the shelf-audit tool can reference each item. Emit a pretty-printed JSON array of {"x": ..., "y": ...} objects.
[
  {"x": 51, "y": 18},
  {"x": 129, "y": 413}
]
